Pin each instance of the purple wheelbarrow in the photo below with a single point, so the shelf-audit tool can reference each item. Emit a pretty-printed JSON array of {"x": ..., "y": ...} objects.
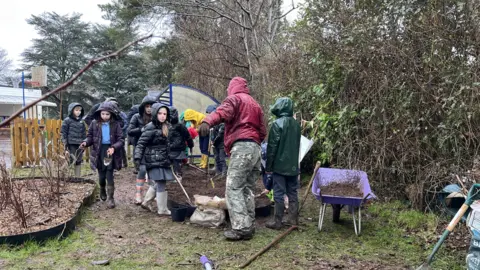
[{"x": 326, "y": 176}]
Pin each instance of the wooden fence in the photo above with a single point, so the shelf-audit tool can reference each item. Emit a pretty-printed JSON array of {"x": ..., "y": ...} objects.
[{"x": 34, "y": 139}]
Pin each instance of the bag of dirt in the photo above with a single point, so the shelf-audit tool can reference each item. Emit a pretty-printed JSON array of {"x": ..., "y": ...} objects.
[
  {"x": 208, "y": 217},
  {"x": 210, "y": 202}
]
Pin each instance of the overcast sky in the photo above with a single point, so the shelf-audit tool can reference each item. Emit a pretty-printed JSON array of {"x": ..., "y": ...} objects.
[{"x": 16, "y": 34}]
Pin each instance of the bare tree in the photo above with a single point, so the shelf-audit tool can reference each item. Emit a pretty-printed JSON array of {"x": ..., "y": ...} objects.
[
  {"x": 220, "y": 39},
  {"x": 5, "y": 65}
]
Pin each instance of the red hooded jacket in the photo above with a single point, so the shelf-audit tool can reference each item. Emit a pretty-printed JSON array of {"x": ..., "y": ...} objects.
[{"x": 242, "y": 115}]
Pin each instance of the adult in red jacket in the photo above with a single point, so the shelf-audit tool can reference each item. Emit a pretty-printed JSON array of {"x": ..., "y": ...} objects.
[{"x": 244, "y": 131}]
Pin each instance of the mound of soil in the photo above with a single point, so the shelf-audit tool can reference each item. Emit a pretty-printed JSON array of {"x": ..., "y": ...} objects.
[
  {"x": 41, "y": 210},
  {"x": 345, "y": 189},
  {"x": 195, "y": 182}
]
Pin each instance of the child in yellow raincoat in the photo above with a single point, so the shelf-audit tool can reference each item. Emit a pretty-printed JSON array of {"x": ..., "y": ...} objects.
[{"x": 196, "y": 119}]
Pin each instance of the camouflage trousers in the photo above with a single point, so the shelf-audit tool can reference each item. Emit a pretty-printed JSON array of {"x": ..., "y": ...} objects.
[{"x": 243, "y": 173}]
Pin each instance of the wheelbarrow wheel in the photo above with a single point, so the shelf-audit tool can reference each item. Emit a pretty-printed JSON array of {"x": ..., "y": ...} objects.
[{"x": 336, "y": 212}]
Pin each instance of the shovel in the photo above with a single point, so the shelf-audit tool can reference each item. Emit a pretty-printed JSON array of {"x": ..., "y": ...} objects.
[
  {"x": 208, "y": 158},
  {"x": 191, "y": 157},
  {"x": 180, "y": 183},
  {"x": 472, "y": 194}
]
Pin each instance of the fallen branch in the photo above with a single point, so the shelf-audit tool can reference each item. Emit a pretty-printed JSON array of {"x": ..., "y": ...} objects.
[
  {"x": 71, "y": 80},
  {"x": 263, "y": 250}
]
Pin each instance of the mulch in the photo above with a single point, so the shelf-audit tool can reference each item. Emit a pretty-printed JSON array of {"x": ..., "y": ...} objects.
[{"x": 40, "y": 205}]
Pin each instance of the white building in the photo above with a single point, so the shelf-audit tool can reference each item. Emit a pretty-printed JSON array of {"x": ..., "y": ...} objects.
[{"x": 11, "y": 100}]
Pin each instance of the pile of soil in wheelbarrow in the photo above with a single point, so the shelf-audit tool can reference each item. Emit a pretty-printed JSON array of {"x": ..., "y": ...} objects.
[
  {"x": 343, "y": 189},
  {"x": 195, "y": 183},
  {"x": 43, "y": 207}
]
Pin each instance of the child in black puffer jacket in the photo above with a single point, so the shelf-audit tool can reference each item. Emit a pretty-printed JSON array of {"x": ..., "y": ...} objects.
[
  {"x": 179, "y": 140},
  {"x": 153, "y": 151},
  {"x": 73, "y": 133},
  {"x": 135, "y": 127}
]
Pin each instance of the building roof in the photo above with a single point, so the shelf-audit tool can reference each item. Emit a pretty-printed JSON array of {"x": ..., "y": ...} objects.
[
  {"x": 14, "y": 96},
  {"x": 19, "y": 101}
]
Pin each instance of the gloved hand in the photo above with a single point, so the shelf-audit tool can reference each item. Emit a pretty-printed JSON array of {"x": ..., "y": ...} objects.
[
  {"x": 269, "y": 182},
  {"x": 137, "y": 164},
  {"x": 204, "y": 129}
]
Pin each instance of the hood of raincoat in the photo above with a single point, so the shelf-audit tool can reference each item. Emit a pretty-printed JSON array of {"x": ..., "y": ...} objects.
[
  {"x": 282, "y": 107},
  {"x": 238, "y": 85},
  {"x": 193, "y": 116}
]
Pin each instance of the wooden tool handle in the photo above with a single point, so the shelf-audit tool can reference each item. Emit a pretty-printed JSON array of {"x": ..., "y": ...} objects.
[{"x": 317, "y": 166}]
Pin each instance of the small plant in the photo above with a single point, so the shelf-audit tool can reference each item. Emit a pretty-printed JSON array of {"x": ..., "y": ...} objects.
[{"x": 12, "y": 195}]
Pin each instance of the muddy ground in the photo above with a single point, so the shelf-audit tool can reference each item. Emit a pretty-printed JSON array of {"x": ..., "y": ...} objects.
[
  {"x": 196, "y": 182},
  {"x": 130, "y": 237},
  {"x": 133, "y": 227}
]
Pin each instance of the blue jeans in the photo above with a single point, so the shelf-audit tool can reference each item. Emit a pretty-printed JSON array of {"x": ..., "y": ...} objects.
[
  {"x": 204, "y": 145},
  {"x": 285, "y": 185},
  {"x": 220, "y": 162}
]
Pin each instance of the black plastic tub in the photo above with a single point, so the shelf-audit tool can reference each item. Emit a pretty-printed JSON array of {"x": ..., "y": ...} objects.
[
  {"x": 190, "y": 210},
  {"x": 59, "y": 231},
  {"x": 179, "y": 213},
  {"x": 263, "y": 211}
]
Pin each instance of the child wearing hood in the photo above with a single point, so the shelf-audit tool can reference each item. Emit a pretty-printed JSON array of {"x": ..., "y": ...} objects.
[
  {"x": 73, "y": 132},
  {"x": 217, "y": 137},
  {"x": 191, "y": 130},
  {"x": 179, "y": 140},
  {"x": 134, "y": 130},
  {"x": 105, "y": 135},
  {"x": 153, "y": 151},
  {"x": 282, "y": 162},
  {"x": 196, "y": 119}
]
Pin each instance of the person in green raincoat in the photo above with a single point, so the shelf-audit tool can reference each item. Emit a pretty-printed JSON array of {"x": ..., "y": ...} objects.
[{"x": 282, "y": 162}]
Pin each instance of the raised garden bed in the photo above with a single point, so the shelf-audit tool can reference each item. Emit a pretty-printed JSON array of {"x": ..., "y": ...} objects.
[{"x": 51, "y": 208}]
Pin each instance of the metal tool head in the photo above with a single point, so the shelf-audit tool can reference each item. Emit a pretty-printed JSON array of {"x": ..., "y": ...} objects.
[{"x": 107, "y": 160}]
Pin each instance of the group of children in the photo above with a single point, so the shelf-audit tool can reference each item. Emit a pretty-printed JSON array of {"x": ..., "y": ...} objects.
[
  {"x": 160, "y": 137},
  {"x": 106, "y": 139}
]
